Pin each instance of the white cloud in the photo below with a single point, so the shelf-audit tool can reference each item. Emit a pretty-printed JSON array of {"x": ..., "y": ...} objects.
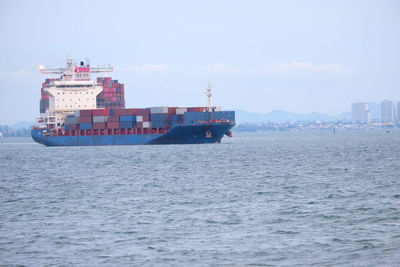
[
  {"x": 292, "y": 67},
  {"x": 222, "y": 68},
  {"x": 16, "y": 74},
  {"x": 150, "y": 68},
  {"x": 306, "y": 67}
]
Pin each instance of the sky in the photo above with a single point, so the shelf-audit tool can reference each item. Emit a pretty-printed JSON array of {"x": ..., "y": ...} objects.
[{"x": 297, "y": 56}]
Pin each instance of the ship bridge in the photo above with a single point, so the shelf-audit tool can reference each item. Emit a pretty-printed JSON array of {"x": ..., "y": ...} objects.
[
  {"x": 76, "y": 72},
  {"x": 73, "y": 91}
]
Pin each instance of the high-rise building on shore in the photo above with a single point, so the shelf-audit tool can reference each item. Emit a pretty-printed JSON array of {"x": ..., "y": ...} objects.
[
  {"x": 360, "y": 113},
  {"x": 398, "y": 112},
  {"x": 388, "y": 111}
]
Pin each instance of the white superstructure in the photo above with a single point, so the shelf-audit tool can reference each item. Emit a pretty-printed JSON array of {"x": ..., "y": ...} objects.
[
  {"x": 66, "y": 96},
  {"x": 74, "y": 91}
]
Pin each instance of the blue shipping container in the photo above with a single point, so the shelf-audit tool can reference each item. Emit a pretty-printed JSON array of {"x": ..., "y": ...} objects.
[
  {"x": 176, "y": 117},
  {"x": 193, "y": 117},
  {"x": 85, "y": 126},
  {"x": 127, "y": 124},
  {"x": 159, "y": 124},
  {"x": 127, "y": 118},
  {"x": 159, "y": 117}
]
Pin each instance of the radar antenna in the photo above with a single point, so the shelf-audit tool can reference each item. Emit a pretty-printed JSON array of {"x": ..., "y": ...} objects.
[{"x": 209, "y": 96}]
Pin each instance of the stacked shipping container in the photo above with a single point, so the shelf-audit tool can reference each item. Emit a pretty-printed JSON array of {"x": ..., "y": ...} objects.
[
  {"x": 85, "y": 119},
  {"x": 112, "y": 95},
  {"x": 44, "y": 97},
  {"x": 201, "y": 117},
  {"x": 100, "y": 117},
  {"x": 159, "y": 117},
  {"x": 108, "y": 119}
]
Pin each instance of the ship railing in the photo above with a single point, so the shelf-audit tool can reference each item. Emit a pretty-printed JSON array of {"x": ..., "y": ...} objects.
[
  {"x": 223, "y": 121},
  {"x": 106, "y": 131}
]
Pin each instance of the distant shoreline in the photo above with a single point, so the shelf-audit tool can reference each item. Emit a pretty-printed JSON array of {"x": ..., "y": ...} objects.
[{"x": 311, "y": 126}]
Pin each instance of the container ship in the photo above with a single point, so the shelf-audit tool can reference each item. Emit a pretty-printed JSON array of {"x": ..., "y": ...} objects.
[{"x": 78, "y": 111}]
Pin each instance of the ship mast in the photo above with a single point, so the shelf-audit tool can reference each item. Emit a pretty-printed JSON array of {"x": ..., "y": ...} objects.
[{"x": 209, "y": 96}]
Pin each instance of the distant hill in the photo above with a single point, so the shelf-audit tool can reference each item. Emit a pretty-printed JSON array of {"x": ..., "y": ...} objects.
[{"x": 280, "y": 115}]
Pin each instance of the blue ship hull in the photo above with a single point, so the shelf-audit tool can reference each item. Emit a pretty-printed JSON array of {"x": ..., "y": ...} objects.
[{"x": 179, "y": 134}]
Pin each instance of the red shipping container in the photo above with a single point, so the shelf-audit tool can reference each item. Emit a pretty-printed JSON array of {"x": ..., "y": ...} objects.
[
  {"x": 117, "y": 111},
  {"x": 128, "y": 111},
  {"x": 139, "y": 124},
  {"x": 101, "y": 112},
  {"x": 196, "y": 109},
  {"x": 99, "y": 125},
  {"x": 113, "y": 125},
  {"x": 98, "y": 112},
  {"x": 85, "y": 119},
  {"x": 125, "y": 112},
  {"x": 85, "y": 113},
  {"x": 143, "y": 112},
  {"x": 172, "y": 110},
  {"x": 113, "y": 118}
]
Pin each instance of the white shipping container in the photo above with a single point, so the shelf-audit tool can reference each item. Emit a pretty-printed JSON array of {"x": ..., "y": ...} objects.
[
  {"x": 181, "y": 111},
  {"x": 100, "y": 118},
  {"x": 158, "y": 110},
  {"x": 146, "y": 124},
  {"x": 139, "y": 118}
]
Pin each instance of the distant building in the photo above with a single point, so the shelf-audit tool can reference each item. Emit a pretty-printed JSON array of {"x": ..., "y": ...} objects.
[
  {"x": 360, "y": 113},
  {"x": 388, "y": 111},
  {"x": 398, "y": 112}
]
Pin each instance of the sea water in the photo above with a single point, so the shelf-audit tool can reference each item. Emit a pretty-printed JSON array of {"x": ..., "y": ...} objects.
[{"x": 298, "y": 198}]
